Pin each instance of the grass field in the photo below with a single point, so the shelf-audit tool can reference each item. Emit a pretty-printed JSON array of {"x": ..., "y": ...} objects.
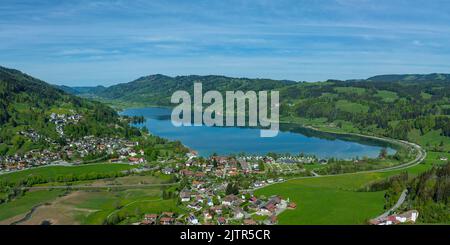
[
  {"x": 325, "y": 205},
  {"x": 350, "y": 90},
  {"x": 426, "y": 96},
  {"x": 387, "y": 96},
  {"x": 430, "y": 139},
  {"x": 91, "y": 206},
  {"x": 54, "y": 171},
  {"x": 347, "y": 106},
  {"x": 23, "y": 204},
  {"x": 336, "y": 199}
]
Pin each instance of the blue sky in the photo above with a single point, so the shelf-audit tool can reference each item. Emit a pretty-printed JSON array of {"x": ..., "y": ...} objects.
[{"x": 90, "y": 42}]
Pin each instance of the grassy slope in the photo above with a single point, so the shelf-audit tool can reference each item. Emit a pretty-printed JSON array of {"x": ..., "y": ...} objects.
[{"x": 335, "y": 199}]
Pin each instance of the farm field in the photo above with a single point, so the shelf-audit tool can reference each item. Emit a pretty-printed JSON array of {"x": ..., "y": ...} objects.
[
  {"x": 90, "y": 206},
  {"x": 336, "y": 199},
  {"x": 103, "y": 205},
  {"x": 23, "y": 204},
  {"x": 94, "y": 207}
]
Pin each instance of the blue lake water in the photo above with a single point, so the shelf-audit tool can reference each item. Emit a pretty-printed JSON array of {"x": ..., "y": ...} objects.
[{"x": 233, "y": 140}]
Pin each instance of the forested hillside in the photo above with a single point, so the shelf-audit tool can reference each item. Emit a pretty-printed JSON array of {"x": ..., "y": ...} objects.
[
  {"x": 157, "y": 89},
  {"x": 26, "y": 120},
  {"x": 414, "y": 110},
  {"x": 408, "y": 107},
  {"x": 428, "y": 193}
]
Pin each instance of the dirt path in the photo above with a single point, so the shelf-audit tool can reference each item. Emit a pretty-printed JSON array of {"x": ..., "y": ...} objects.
[{"x": 59, "y": 212}]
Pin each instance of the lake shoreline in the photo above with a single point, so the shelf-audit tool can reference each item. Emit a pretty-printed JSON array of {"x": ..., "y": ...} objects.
[{"x": 324, "y": 145}]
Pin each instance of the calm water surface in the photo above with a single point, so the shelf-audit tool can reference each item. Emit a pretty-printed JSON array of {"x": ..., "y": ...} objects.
[{"x": 233, "y": 140}]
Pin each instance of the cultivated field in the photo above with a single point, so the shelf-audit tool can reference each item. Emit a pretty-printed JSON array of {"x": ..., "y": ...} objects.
[
  {"x": 91, "y": 206},
  {"x": 336, "y": 199}
]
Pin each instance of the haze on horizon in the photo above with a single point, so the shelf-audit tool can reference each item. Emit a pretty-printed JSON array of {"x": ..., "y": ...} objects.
[{"x": 87, "y": 43}]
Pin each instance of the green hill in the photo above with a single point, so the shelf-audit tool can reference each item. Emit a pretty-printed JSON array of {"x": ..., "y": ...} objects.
[
  {"x": 409, "y": 107},
  {"x": 434, "y": 77},
  {"x": 81, "y": 90},
  {"x": 157, "y": 89},
  {"x": 26, "y": 106}
]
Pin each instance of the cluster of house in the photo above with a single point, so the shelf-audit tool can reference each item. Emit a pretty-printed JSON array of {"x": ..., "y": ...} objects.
[
  {"x": 31, "y": 159},
  {"x": 406, "y": 217},
  {"x": 74, "y": 149},
  {"x": 262, "y": 183},
  {"x": 304, "y": 159},
  {"x": 297, "y": 159},
  {"x": 205, "y": 196},
  {"x": 60, "y": 120},
  {"x": 89, "y": 145},
  {"x": 224, "y": 210},
  {"x": 165, "y": 218},
  {"x": 217, "y": 166},
  {"x": 31, "y": 134}
]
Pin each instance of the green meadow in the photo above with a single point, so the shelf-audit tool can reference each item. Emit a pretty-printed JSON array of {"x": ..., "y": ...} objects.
[
  {"x": 52, "y": 172},
  {"x": 23, "y": 204},
  {"x": 131, "y": 203},
  {"x": 386, "y": 95},
  {"x": 337, "y": 199},
  {"x": 351, "y": 107},
  {"x": 93, "y": 206}
]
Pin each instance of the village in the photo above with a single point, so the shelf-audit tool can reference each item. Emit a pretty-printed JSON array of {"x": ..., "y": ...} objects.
[
  {"x": 219, "y": 190},
  {"x": 215, "y": 190},
  {"x": 73, "y": 151}
]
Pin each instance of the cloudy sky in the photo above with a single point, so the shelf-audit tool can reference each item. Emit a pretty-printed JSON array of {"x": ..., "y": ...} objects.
[{"x": 90, "y": 42}]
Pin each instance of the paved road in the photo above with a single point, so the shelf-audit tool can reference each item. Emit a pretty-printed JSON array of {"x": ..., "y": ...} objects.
[
  {"x": 421, "y": 154},
  {"x": 314, "y": 173},
  {"x": 400, "y": 201},
  {"x": 419, "y": 158}
]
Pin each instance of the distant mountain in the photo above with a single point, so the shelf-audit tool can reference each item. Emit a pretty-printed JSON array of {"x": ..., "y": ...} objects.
[
  {"x": 409, "y": 107},
  {"x": 157, "y": 89},
  {"x": 81, "y": 90},
  {"x": 434, "y": 77},
  {"x": 67, "y": 89}
]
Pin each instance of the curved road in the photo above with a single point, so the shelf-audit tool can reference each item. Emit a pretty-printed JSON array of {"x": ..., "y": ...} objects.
[
  {"x": 421, "y": 154},
  {"x": 419, "y": 158},
  {"x": 400, "y": 201}
]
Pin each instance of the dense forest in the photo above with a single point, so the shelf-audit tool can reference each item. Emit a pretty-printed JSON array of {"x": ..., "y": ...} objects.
[
  {"x": 428, "y": 193},
  {"x": 157, "y": 89},
  {"x": 408, "y": 107}
]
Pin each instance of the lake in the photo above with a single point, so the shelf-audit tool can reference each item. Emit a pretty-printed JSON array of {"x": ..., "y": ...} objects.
[{"x": 233, "y": 140}]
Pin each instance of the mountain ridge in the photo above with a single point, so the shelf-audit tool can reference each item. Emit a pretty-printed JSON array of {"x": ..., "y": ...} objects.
[{"x": 377, "y": 78}]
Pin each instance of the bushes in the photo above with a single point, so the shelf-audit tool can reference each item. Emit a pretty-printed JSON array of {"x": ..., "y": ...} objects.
[{"x": 34, "y": 180}]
